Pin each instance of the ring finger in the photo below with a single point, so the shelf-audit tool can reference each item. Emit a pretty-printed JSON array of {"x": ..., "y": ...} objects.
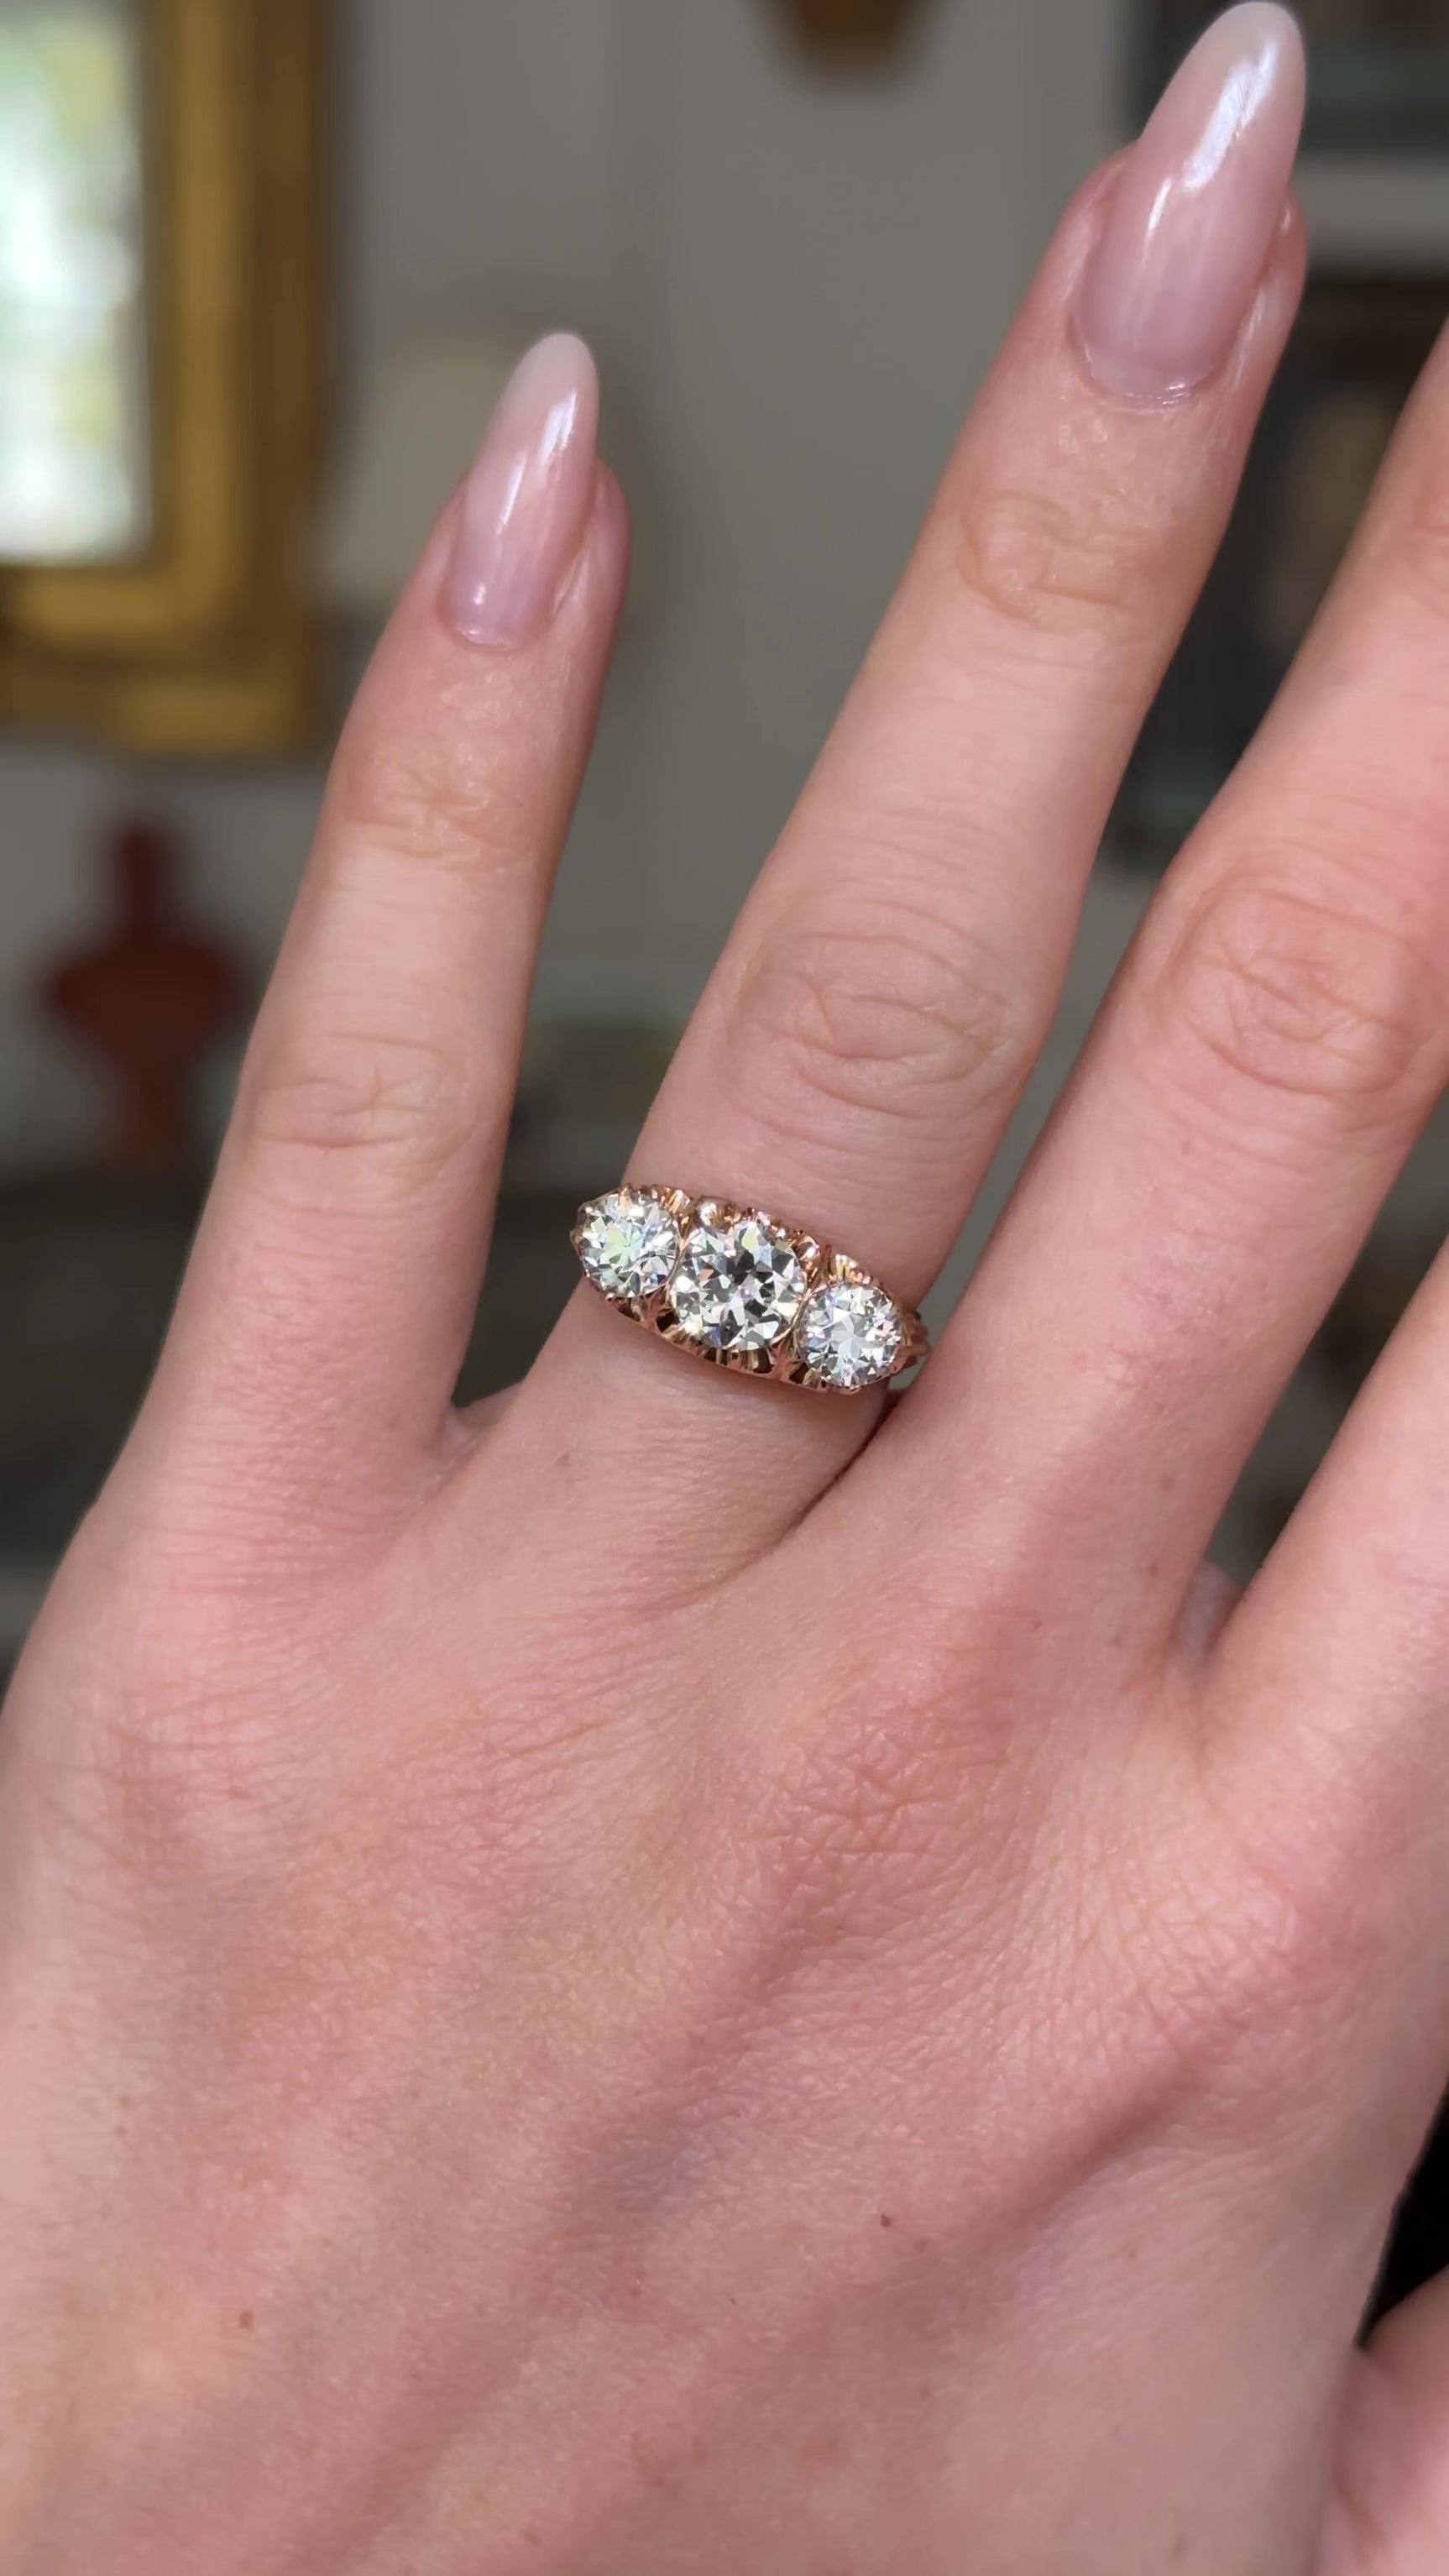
[{"x": 865, "y": 1037}]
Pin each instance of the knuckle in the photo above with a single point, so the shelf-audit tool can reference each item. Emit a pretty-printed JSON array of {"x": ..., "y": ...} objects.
[
  {"x": 859, "y": 1838},
  {"x": 862, "y": 1812},
  {"x": 883, "y": 1019},
  {"x": 430, "y": 803},
  {"x": 193, "y": 1783},
  {"x": 861, "y": 1818},
  {"x": 1271, "y": 1990},
  {"x": 389, "y": 1102},
  {"x": 1301, "y": 995},
  {"x": 1066, "y": 565}
]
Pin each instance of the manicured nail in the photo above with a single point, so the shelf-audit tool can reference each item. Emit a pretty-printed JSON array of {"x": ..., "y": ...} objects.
[
  {"x": 527, "y": 502},
  {"x": 1192, "y": 223}
]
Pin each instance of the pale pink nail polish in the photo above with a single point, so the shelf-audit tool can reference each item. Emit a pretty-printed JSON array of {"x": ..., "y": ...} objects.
[
  {"x": 1190, "y": 227},
  {"x": 526, "y": 503}
]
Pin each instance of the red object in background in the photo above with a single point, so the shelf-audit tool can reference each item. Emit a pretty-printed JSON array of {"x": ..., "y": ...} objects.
[
  {"x": 149, "y": 999},
  {"x": 850, "y": 30}
]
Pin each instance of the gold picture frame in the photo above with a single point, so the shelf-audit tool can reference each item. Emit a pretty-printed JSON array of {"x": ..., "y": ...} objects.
[{"x": 206, "y": 645}]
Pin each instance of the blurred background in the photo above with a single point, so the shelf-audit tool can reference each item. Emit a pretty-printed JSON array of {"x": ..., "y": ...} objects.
[{"x": 264, "y": 265}]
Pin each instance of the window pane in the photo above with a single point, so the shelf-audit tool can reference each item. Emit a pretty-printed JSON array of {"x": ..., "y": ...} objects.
[{"x": 74, "y": 480}]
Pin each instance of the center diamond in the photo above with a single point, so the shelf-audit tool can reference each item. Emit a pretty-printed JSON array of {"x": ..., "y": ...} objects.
[{"x": 739, "y": 1287}]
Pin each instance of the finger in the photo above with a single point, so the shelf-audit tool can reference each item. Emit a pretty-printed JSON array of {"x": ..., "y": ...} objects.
[
  {"x": 863, "y": 1042},
  {"x": 1337, "y": 1656},
  {"x": 1273, "y": 1046},
  {"x": 328, "y": 1303},
  {"x": 1389, "y": 2514}
]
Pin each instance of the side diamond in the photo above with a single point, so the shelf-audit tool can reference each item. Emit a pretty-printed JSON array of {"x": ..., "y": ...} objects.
[
  {"x": 849, "y": 1337},
  {"x": 739, "y": 1286},
  {"x": 628, "y": 1245}
]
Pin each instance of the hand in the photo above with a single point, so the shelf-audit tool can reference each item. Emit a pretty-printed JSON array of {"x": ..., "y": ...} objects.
[{"x": 676, "y": 1975}]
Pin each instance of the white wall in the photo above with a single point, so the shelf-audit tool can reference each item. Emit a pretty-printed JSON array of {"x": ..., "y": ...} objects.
[{"x": 793, "y": 284}]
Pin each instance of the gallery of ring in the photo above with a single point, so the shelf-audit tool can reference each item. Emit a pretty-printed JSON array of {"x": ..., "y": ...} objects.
[{"x": 739, "y": 1288}]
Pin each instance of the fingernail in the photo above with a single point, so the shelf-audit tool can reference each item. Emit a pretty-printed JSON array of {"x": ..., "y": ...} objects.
[
  {"x": 1196, "y": 210},
  {"x": 526, "y": 503}
]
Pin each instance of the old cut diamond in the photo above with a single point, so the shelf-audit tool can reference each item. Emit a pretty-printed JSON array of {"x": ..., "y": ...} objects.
[
  {"x": 628, "y": 1245},
  {"x": 739, "y": 1286},
  {"x": 849, "y": 1337}
]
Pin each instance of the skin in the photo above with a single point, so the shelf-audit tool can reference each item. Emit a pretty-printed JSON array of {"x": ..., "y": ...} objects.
[{"x": 671, "y": 1976}]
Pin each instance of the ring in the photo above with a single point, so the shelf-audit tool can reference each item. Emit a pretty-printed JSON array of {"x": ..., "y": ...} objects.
[{"x": 738, "y": 1288}]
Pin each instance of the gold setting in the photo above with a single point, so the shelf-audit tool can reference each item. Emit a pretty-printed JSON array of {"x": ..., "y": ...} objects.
[{"x": 781, "y": 1360}]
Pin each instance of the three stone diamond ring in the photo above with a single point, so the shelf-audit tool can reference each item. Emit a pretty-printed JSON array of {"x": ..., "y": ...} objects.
[{"x": 737, "y": 1287}]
